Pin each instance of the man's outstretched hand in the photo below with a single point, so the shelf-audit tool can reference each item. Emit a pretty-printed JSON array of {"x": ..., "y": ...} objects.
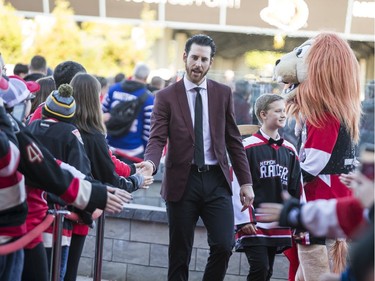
[
  {"x": 145, "y": 168},
  {"x": 115, "y": 199}
]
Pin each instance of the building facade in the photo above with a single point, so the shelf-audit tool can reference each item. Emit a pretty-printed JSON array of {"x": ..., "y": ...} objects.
[{"x": 237, "y": 26}]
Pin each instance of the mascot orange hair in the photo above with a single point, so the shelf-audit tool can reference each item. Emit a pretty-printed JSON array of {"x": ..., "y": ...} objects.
[{"x": 323, "y": 95}]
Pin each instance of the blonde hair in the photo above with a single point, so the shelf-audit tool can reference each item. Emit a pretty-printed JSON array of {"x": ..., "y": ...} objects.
[
  {"x": 89, "y": 115},
  {"x": 263, "y": 104},
  {"x": 332, "y": 87}
]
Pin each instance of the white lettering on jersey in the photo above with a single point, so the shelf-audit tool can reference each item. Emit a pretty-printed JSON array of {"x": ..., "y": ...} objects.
[
  {"x": 33, "y": 153},
  {"x": 269, "y": 169}
]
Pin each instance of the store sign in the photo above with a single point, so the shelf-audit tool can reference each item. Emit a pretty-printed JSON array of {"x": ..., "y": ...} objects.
[
  {"x": 209, "y": 3},
  {"x": 251, "y": 16},
  {"x": 288, "y": 15},
  {"x": 364, "y": 9}
]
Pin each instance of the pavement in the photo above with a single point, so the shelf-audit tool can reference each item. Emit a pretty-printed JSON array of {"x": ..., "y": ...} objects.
[{"x": 85, "y": 278}]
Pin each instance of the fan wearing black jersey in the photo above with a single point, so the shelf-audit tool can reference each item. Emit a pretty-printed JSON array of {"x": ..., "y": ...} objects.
[{"x": 275, "y": 169}]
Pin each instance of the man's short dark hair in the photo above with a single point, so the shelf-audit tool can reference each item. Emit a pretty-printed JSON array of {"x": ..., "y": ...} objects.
[
  {"x": 201, "y": 40},
  {"x": 65, "y": 71},
  {"x": 119, "y": 77},
  {"x": 20, "y": 68},
  {"x": 38, "y": 63}
]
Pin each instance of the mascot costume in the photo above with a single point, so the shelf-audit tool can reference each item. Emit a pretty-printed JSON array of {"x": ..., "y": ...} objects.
[{"x": 323, "y": 95}]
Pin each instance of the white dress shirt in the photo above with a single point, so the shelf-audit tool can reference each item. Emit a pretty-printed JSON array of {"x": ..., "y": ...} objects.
[{"x": 191, "y": 94}]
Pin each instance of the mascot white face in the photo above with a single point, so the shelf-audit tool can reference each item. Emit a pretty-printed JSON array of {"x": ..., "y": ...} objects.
[
  {"x": 291, "y": 69},
  {"x": 322, "y": 77}
]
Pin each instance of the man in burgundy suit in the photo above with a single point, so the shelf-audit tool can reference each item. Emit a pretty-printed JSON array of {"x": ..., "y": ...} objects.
[{"x": 196, "y": 116}]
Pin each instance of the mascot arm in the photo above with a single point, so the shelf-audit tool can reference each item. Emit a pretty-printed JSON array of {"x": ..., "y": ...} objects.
[
  {"x": 333, "y": 218},
  {"x": 318, "y": 148}
]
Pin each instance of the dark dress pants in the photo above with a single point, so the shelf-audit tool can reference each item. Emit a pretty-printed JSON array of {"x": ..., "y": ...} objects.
[
  {"x": 207, "y": 196},
  {"x": 261, "y": 260}
]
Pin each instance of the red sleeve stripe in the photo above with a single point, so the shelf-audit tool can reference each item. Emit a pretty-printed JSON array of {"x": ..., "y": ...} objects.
[
  {"x": 11, "y": 180},
  {"x": 78, "y": 194}
]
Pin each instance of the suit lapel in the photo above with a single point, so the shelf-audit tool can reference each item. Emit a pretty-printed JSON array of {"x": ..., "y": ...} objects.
[
  {"x": 211, "y": 106},
  {"x": 184, "y": 106}
]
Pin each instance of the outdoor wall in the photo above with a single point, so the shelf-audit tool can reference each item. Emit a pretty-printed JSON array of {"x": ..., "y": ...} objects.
[{"x": 136, "y": 249}]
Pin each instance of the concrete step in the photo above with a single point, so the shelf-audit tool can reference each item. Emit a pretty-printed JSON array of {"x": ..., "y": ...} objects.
[{"x": 86, "y": 278}]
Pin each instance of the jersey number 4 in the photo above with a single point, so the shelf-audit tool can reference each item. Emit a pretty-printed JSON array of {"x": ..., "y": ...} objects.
[{"x": 34, "y": 154}]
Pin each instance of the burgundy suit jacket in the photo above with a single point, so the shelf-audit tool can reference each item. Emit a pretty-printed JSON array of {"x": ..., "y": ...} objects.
[{"x": 171, "y": 120}]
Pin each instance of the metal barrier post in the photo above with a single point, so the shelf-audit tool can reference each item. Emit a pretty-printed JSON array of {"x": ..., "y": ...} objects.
[
  {"x": 56, "y": 247},
  {"x": 99, "y": 249}
]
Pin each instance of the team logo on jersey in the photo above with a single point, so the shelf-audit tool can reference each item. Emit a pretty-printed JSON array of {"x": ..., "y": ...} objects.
[
  {"x": 78, "y": 135},
  {"x": 269, "y": 169}
]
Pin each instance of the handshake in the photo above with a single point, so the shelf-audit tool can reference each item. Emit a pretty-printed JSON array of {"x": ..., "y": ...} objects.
[{"x": 117, "y": 197}]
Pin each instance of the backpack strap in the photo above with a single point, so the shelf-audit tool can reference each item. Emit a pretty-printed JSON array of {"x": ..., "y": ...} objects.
[
  {"x": 143, "y": 97},
  {"x": 141, "y": 100}
]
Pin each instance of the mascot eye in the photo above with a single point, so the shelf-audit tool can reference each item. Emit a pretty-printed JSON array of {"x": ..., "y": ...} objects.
[{"x": 302, "y": 51}]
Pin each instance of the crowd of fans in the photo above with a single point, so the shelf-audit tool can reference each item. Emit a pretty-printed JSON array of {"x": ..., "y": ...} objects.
[{"x": 66, "y": 114}]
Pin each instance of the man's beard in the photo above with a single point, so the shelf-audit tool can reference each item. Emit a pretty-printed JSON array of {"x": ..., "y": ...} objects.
[{"x": 192, "y": 78}]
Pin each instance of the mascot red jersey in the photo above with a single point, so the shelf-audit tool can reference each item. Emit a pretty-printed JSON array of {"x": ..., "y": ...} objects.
[{"x": 323, "y": 95}]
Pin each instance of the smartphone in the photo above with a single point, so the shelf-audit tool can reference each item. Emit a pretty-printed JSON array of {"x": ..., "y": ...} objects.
[{"x": 19, "y": 111}]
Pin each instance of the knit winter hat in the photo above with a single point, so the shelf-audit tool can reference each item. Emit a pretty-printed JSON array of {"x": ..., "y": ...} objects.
[{"x": 60, "y": 104}]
